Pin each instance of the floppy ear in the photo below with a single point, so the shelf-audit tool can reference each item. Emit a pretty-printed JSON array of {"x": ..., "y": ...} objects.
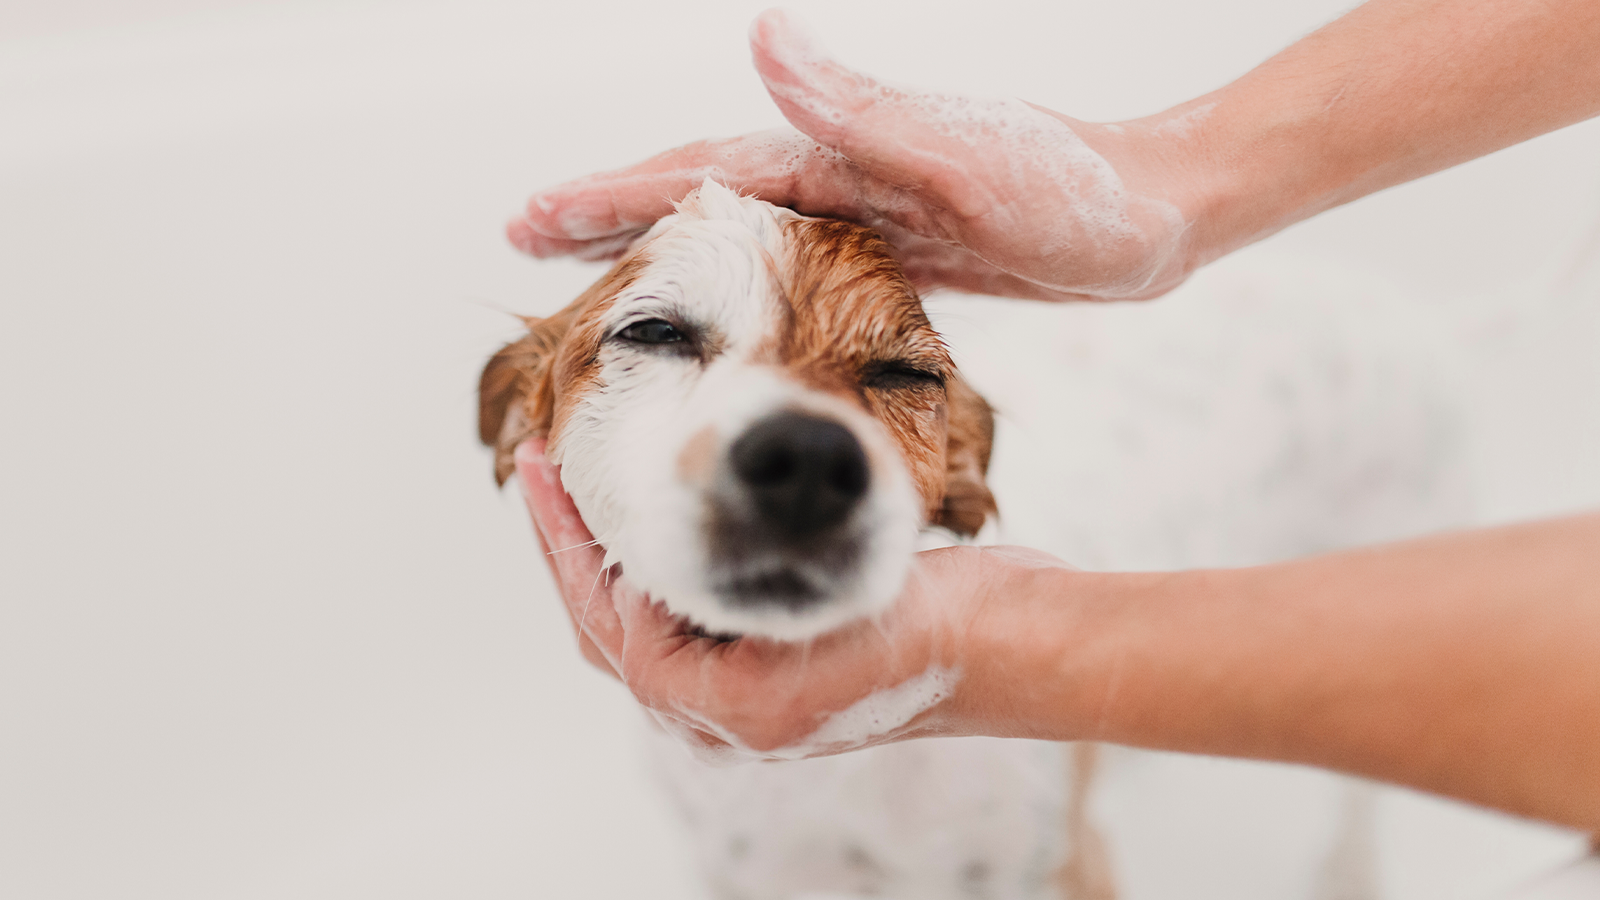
[
  {"x": 967, "y": 500},
  {"x": 516, "y": 393},
  {"x": 516, "y": 399}
]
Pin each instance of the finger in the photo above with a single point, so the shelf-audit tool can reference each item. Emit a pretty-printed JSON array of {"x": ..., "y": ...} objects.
[
  {"x": 656, "y": 646},
  {"x": 524, "y": 238},
  {"x": 630, "y": 200},
  {"x": 586, "y": 645},
  {"x": 1026, "y": 557},
  {"x": 592, "y": 653},
  {"x": 932, "y": 264},
  {"x": 558, "y": 521},
  {"x": 707, "y": 748},
  {"x": 576, "y": 560},
  {"x": 900, "y": 136}
]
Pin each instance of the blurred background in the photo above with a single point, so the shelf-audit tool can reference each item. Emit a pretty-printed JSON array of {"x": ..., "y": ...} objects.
[{"x": 266, "y": 628}]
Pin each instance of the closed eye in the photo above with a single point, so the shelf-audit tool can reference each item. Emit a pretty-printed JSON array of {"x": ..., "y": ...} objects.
[
  {"x": 653, "y": 331},
  {"x": 897, "y": 375}
]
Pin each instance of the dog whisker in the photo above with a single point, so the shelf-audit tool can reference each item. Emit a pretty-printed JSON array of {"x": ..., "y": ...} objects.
[
  {"x": 592, "y": 588},
  {"x": 805, "y": 656},
  {"x": 574, "y": 547}
]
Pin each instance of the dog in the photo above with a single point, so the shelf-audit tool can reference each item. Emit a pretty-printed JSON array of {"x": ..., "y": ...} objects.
[{"x": 754, "y": 416}]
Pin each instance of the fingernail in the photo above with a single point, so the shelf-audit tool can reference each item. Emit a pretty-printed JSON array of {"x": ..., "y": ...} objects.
[
  {"x": 530, "y": 459},
  {"x": 520, "y": 235},
  {"x": 542, "y": 216},
  {"x": 786, "y": 35}
]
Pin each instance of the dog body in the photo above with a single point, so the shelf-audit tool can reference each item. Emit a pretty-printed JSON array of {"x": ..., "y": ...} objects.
[{"x": 755, "y": 417}]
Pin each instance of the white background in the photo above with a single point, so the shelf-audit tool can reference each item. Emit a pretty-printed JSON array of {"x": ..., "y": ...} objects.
[{"x": 266, "y": 630}]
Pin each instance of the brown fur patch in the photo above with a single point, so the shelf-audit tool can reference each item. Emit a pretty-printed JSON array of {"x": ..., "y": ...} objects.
[
  {"x": 697, "y": 460},
  {"x": 967, "y": 501},
  {"x": 526, "y": 389},
  {"x": 849, "y": 308}
]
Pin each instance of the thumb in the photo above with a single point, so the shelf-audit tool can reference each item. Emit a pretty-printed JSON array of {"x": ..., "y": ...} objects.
[{"x": 897, "y": 135}]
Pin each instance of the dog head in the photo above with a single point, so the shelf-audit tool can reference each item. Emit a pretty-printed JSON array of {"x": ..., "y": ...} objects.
[{"x": 752, "y": 414}]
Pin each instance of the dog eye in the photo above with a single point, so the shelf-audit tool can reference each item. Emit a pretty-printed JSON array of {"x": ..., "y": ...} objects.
[
  {"x": 895, "y": 375},
  {"x": 652, "y": 331}
]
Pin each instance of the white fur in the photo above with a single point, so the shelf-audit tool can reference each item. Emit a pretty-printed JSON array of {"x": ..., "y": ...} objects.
[{"x": 943, "y": 819}]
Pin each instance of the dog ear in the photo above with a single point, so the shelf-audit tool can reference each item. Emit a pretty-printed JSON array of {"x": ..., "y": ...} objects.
[
  {"x": 967, "y": 500},
  {"x": 516, "y": 398},
  {"x": 516, "y": 393}
]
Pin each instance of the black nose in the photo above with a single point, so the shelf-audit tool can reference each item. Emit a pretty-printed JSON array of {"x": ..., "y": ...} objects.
[{"x": 804, "y": 473}]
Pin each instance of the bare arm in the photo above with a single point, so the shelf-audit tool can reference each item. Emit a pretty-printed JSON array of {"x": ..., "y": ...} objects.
[
  {"x": 1467, "y": 664},
  {"x": 1393, "y": 91},
  {"x": 998, "y": 197}
]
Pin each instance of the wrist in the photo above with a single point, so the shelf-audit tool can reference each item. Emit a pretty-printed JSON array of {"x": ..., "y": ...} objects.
[
  {"x": 1237, "y": 171},
  {"x": 1210, "y": 167},
  {"x": 1148, "y": 659},
  {"x": 1056, "y": 654}
]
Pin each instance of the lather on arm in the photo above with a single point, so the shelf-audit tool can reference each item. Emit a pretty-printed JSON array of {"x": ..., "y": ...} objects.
[{"x": 981, "y": 196}]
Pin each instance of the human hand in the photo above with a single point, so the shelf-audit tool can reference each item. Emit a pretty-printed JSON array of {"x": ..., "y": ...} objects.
[
  {"x": 925, "y": 667},
  {"x": 988, "y": 196}
]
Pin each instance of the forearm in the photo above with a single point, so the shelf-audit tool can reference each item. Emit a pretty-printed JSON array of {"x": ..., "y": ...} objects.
[
  {"x": 1468, "y": 665},
  {"x": 1395, "y": 90}
]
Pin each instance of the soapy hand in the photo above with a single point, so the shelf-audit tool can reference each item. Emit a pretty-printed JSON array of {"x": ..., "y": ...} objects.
[
  {"x": 987, "y": 196},
  {"x": 911, "y": 672}
]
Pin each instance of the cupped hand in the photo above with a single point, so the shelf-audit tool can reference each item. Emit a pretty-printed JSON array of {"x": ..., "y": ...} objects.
[
  {"x": 922, "y": 668},
  {"x": 986, "y": 196}
]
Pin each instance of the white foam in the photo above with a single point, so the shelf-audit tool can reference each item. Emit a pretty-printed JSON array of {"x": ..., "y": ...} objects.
[
  {"x": 1020, "y": 153},
  {"x": 1181, "y": 127},
  {"x": 876, "y": 715}
]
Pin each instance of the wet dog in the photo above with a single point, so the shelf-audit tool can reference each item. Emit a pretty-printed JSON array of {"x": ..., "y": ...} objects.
[{"x": 754, "y": 416}]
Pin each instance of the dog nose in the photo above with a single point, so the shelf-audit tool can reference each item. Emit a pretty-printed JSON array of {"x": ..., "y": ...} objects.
[{"x": 805, "y": 473}]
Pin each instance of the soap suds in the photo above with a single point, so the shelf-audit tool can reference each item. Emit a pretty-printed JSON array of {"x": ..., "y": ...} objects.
[
  {"x": 1182, "y": 126},
  {"x": 1003, "y": 152},
  {"x": 875, "y": 715}
]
